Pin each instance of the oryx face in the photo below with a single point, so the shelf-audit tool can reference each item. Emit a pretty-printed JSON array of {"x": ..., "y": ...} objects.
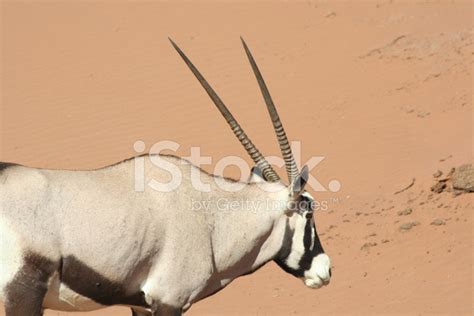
[{"x": 302, "y": 253}]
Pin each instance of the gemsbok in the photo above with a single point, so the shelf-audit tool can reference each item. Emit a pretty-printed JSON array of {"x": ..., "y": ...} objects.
[{"x": 77, "y": 240}]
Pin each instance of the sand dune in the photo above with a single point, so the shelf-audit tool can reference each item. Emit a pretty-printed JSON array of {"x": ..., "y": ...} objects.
[{"x": 383, "y": 90}]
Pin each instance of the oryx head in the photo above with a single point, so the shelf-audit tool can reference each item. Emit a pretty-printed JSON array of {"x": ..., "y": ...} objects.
[{"x": 301, "y": 253}]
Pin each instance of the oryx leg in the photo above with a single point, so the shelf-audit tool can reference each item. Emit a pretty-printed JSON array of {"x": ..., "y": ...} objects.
[
  {"x": 140, "y": 313},
  {"x": 159, "y": 309},
  {"x": 25, "y": 293}
]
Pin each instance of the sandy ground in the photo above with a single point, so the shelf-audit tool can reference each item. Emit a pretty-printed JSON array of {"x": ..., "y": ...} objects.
[{"x": 382, "y": 90}]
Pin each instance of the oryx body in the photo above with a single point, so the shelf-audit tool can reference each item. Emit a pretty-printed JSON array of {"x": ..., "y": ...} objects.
[{"x": 82, "y": 240}]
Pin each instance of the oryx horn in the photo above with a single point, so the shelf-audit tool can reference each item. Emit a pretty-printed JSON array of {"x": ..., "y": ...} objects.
[
  {"x": 290, "y": 163},
  {"x": 267, "y": 171}
]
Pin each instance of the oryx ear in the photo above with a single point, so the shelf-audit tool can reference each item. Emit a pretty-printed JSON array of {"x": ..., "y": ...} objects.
[
  {"x": 256, "y": 175},
  {"x": 297, "y": 186}
]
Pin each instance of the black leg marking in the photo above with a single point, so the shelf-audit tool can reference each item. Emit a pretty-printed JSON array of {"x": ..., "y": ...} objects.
[
  {"x": 159, "y": 309},
  {"x": 25, "y": 293},
  {"x": 89, "y": 283},
  {"x": 140, "y": 313}
]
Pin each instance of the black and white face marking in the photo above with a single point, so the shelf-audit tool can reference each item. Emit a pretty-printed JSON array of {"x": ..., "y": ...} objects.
[{"x": 302, "y": 253}]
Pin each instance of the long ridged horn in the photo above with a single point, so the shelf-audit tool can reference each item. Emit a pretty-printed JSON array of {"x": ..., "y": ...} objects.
[
  {"x": 291, "y": 167},
  {"x": 267, "y": 171}
]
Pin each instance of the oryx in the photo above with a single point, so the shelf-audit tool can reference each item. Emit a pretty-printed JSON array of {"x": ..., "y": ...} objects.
[{"x": 84, "y": 240}]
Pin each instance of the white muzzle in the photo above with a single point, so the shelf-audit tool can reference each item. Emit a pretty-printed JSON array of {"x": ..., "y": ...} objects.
[{"x": 320, "y": 272}]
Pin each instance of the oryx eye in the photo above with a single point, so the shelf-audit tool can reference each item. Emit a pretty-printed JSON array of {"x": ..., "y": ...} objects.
[{"x": 304, "y": 205}]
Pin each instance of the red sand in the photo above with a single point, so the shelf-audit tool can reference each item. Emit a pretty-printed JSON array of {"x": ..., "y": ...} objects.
[{"x": 383, "y": 90}]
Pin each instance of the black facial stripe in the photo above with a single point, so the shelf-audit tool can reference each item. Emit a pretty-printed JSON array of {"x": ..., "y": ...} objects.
[
  {"x": 307, "y": 258},
  {"x": 317, "y": 243},
  {"x": 307, "y": 240}
]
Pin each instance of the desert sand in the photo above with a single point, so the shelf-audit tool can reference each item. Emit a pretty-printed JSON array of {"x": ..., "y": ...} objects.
[{"x": 381, "y": 89}]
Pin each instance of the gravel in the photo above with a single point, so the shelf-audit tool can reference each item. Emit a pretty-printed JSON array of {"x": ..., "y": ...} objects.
[
  {"x": 438, "y": 222},
  {"x": 408, "y": 226}
]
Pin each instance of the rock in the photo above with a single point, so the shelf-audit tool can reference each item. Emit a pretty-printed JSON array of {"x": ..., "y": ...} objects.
[
  {"x": 439, "y": 187},
  {"x": 408, "y": 226},
  {"x": 463, "y": 178},
  {"x": 423, "y": 114},
  {"x": 437, "y": 174},
  {"x": 438, "y": 222},
  {"x": 384, "y": 241},
  {"x": 446, "y": 158},
  {"x": 368, "y": 245},
  {"x": 405, "y": 212},
  {"x": 450, "y": 173}
]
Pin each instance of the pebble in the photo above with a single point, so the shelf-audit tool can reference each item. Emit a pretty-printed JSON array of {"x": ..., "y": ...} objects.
[
  {"x": 368, "y": 245},
  {"x": 438, "y": 222},
  {"x": 437, "y": 174},
  {"x": 409, "y": 225},
  {"x": 405, "y": 212}
]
